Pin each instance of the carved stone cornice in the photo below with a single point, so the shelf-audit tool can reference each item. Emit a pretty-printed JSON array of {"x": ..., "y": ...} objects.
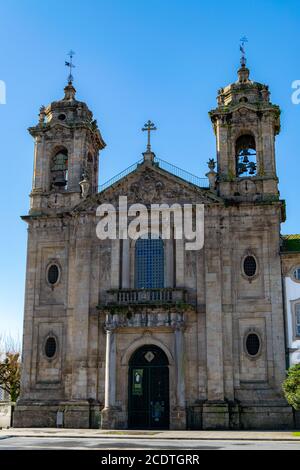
[{"x": 144, "y": 320}]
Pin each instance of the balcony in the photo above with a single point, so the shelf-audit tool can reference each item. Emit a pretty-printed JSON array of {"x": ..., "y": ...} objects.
[{"x": 146, "y": 296}]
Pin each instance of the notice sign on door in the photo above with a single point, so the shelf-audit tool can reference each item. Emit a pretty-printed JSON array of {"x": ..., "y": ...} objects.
[{"x": 137, "y": 386}]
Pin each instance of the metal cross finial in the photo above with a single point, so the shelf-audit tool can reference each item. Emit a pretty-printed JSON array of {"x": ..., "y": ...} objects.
[
  {"x": 243, "y": 40},
  {"x": 70, "y": 65},
  {"x": 149, "y": 126}
]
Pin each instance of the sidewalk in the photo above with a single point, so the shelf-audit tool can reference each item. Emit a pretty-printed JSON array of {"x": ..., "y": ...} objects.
[{"x": 129, "y": 434}]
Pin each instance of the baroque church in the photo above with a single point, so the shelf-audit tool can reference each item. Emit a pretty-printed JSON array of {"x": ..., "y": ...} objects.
[{"x": 144, "y": 334}]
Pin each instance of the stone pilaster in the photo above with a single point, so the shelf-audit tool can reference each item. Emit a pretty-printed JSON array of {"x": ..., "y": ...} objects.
[
  {"x": 80, "y": 321},
  {"x": 125, "y": 264},
  {"x": 179, "y": 413},
  {"x": 214, "y": 330}
]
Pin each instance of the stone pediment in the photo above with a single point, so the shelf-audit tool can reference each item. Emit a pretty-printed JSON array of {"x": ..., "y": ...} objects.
[{"x": 149, "y": 184}]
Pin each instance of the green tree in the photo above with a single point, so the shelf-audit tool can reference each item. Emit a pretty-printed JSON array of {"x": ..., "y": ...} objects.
[
  {"x": 291, "y": 386},
  {"x": 10, "y": 374}
]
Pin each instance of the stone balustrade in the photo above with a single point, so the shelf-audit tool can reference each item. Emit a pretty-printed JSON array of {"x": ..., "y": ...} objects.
[{"x": 146, "y": 296}]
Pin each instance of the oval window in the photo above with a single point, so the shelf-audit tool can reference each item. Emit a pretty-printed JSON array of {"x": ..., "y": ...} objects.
[
  {"x": 252, "y": 344},
  {"x": 61, "y": 117},
  {"x": 53, "y": 274},
  {"x": 250, "y": 266},
  {"x": 50, "y": 347}
]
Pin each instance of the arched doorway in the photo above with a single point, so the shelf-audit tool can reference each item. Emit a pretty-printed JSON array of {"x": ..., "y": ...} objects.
[{"x": 148, "y": 389}]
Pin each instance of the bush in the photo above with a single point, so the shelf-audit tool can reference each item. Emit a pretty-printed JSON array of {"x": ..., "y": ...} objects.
[{"x": 291, "y": 386}]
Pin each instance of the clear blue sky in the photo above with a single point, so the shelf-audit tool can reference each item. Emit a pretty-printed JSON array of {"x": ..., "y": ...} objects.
[{"x": 136, "y": 60}]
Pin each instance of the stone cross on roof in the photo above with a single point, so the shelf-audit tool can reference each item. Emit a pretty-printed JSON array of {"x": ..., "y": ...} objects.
[{"x": 149, "y": 126}]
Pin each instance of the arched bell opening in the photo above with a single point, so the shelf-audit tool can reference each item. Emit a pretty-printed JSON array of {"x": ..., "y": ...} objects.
[
  {"x": 245, "y": 153},
  {"x": 59, "y": 169}
]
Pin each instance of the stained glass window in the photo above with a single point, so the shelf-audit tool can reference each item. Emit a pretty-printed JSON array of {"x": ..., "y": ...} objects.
[{"x": 149, "y": 263}]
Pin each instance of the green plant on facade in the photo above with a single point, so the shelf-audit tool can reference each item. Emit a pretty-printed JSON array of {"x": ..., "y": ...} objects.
[
  {"x": 291, "y": 386},
  {"x": 10, "y": 374}
]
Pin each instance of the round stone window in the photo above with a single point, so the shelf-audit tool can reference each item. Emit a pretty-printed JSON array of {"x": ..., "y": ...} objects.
[
  {"x": 252, "y": 344},
  {"x": 250, "y": 266},
  {"x": 53, "y": 274},
  {"x": 50, "y": 347},
  {"x": 61, "y": 117}
]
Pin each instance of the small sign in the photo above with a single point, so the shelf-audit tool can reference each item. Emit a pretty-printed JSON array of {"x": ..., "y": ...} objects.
[{"x": 137, "y": 385}]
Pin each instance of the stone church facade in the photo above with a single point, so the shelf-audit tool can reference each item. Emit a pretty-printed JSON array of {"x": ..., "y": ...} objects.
[{"x": 145, "y": 334}]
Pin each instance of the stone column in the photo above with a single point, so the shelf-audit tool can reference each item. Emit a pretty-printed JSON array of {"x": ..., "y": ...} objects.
[
  {"x": 109, "y": 412},
  {"x": 110, "y": 368}
]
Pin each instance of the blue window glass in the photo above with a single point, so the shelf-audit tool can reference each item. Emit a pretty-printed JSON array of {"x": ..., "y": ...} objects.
[{"x": 149, "y": 263}]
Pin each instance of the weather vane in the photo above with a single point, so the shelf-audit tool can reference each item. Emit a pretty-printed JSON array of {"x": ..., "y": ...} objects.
[
  {"x": 149, "y": 126},
  {"x": 243, "y": 40},
  {"x": 70, "y": 65}
]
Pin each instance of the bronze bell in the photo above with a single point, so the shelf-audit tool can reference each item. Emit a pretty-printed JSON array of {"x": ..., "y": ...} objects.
[{"x": 59, "y": 179}]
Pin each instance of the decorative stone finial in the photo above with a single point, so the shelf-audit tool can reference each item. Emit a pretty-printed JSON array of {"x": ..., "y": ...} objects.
[
  {"x": 265, "y": 93},
  {"x": 211, "y": 164},
  {"x": 212, "y": 175},
  {"x": 42, "y": 115},
  {"x": 243, "y": 74},
  {"x": 69, "y": 92}
]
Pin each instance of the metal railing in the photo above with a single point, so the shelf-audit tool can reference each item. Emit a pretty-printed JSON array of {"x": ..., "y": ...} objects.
[
  {"x": 164, "y": 165},
  {"x": 119, "y": 176},
  {"x": 183, "y": 174}
]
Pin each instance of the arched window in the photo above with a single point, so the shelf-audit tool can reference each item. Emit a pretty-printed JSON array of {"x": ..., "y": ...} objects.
[
  {"x": 245, "y": 153},
  {"x": 59, "y": 169},
  {"x": 149, "y": 263}
]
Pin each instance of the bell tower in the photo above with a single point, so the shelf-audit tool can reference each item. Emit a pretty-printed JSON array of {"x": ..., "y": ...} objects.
[
  {"x": 245, "y": 123},
  {"x": 66, "y": 155}
]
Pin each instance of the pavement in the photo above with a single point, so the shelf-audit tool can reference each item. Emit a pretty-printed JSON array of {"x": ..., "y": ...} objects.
[{"x": 160, "y": 435}]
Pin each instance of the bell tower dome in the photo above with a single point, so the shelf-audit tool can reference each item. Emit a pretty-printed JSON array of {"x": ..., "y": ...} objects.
[
  {"x": 67, "y": 145},
  {"x": 245, "y": 123}
]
